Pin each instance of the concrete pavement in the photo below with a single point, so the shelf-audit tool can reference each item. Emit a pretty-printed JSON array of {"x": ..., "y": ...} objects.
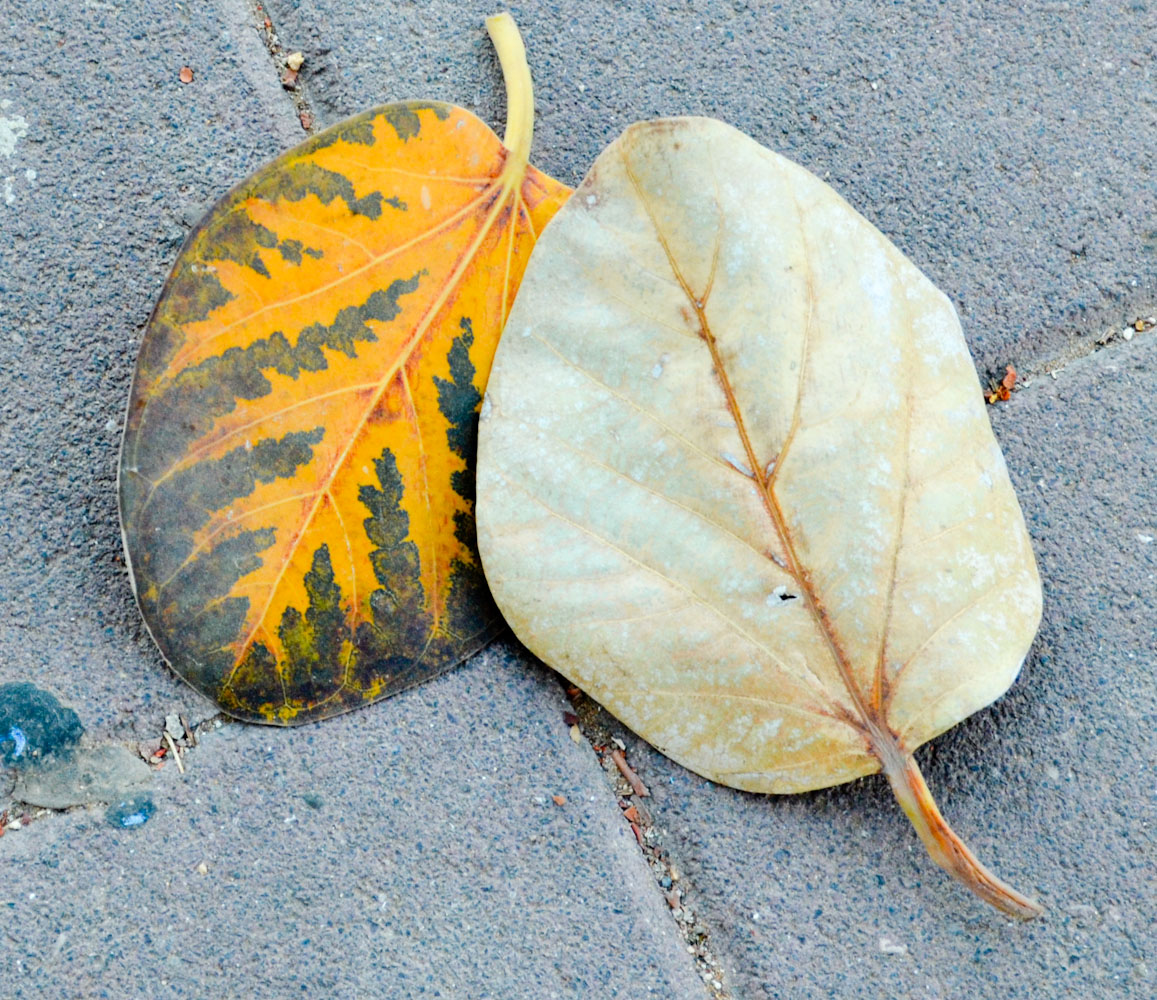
[{"x": 414, "y": 848}]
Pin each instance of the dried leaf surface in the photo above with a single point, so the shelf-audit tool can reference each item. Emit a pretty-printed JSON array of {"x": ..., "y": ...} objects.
[
  {"x": 735, "y": 476},
  {"x": 297, "y": 482}
]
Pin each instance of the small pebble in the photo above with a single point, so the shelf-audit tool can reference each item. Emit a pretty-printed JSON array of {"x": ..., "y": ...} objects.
[{"x": 294, "y": 61}]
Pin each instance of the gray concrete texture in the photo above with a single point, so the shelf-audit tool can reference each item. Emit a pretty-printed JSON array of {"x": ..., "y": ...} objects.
[
  {"x": 417, "y": 856},
  {"x": 1053, "y": 788},
  {"x": 1007, "y": 148}
]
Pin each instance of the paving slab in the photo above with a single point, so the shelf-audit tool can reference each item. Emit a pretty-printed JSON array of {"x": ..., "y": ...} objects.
[
  {"x": 831, "y": 895},
  {"x": 111, "y": 160},
  {"x": 415, "y": 853},
  {"x": 1001, "y": 146},
  {"x": 990, "y": 143}
]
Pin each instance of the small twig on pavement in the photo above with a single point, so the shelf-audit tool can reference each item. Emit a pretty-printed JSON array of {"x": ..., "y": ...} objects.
[
  {"x": 633, "y": 779},
  {"x": 173, "y": 750}
]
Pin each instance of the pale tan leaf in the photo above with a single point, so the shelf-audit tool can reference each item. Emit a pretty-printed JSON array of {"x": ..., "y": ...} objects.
[{"x": 735, "y": 478}]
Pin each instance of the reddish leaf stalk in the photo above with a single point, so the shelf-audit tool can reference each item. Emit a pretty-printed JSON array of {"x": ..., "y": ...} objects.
[{"x": 945, "y": 848}]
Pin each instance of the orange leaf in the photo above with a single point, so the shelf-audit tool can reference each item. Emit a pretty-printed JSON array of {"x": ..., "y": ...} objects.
[
  {"x": 1009, "y": 380},
  {"x": 297, "y": 481}
]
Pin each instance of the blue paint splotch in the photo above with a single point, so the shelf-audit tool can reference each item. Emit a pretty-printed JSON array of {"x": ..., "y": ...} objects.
[
  {"x": 34, "y": 725},
  {"x": 19, "y": 742},
  {"x": 40, "y": 741},
  {"x": 130, "y": 812}
]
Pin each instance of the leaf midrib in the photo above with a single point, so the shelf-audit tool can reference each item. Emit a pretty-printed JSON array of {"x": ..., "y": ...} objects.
[
  {"x": 507, "y": 185},
  {"x": 867, "y": 721}
]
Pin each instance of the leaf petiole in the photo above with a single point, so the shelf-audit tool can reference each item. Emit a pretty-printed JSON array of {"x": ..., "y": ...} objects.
[
  {"x": 519, "y": 91},
  {"x": 945, "y": 848}
]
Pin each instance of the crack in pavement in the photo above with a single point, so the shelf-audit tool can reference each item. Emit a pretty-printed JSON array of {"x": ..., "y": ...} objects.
[
  {"x": 592, "y": 722},
  {"x": 287, "y": 64},
  {"x": 1143, "y": 324},
  {"x": 999, "y": 387}
]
